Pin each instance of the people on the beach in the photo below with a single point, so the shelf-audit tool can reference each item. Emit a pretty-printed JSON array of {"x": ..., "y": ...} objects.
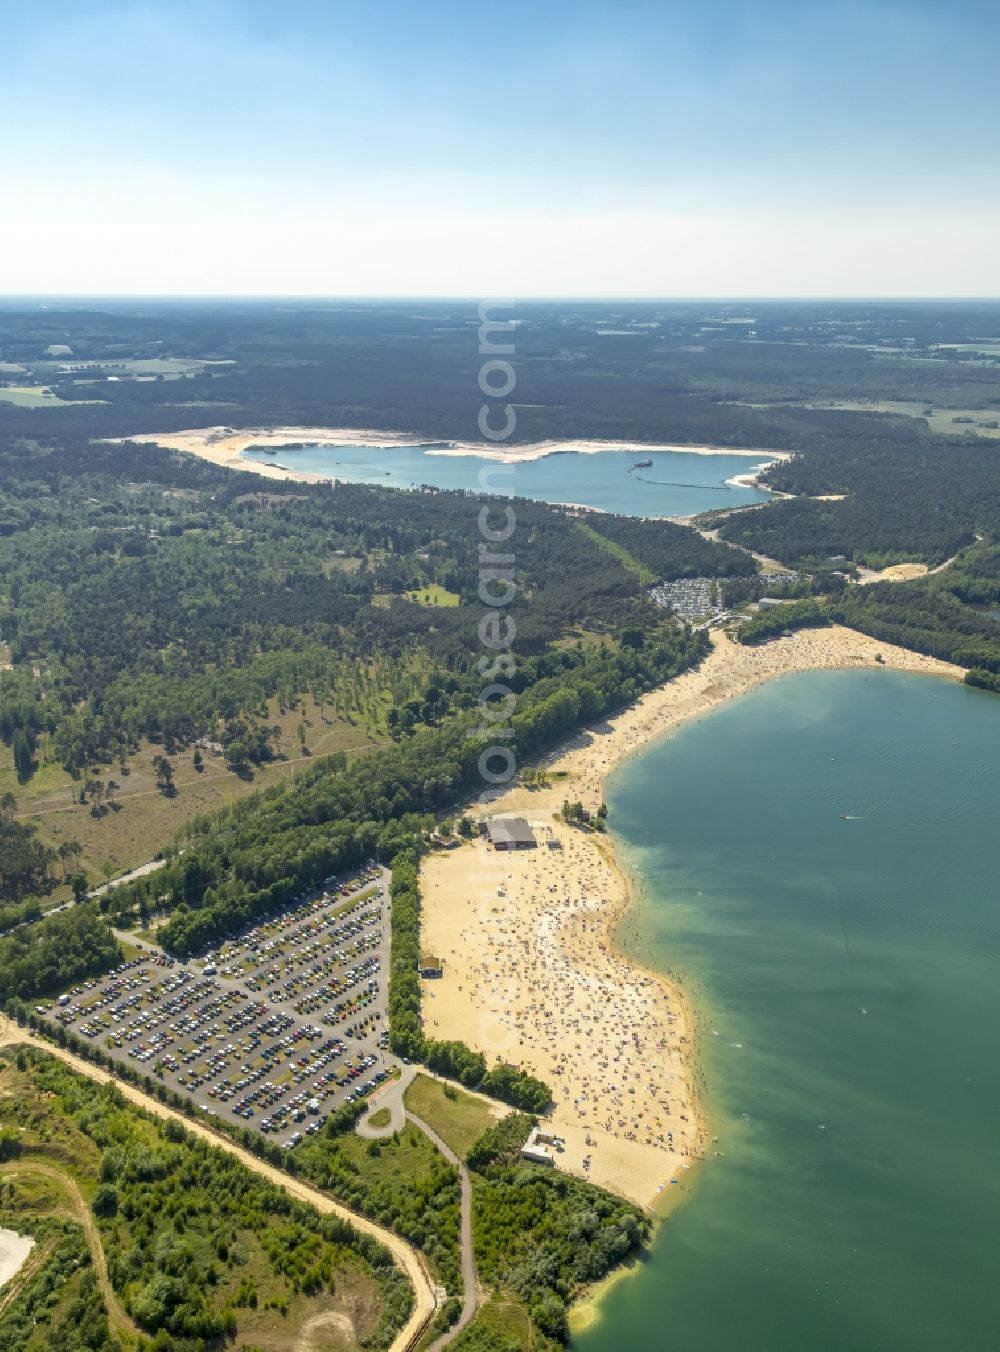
[{"x": 534, "y": 974}]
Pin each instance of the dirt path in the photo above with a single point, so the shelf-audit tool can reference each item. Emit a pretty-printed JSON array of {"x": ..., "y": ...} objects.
[
  {"x": 133, "y": 873},
  {"x": 120, "y": 1322},
  {"x": 405, "y": 1255}
]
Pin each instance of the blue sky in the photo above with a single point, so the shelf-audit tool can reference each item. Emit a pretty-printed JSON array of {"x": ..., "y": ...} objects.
[{"x": 625, "y": 148}]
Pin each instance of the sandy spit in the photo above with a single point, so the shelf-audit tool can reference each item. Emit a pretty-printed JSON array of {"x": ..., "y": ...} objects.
[{"x": 531, "y": 971}]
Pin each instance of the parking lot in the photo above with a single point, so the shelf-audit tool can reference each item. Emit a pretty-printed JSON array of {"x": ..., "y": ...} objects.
[{"x": 275, "y": 1027}]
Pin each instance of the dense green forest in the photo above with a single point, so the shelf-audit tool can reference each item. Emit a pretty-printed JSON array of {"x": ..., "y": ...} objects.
[
  {"x": 24, "y": 861},
  {"x": 43, "y": 958},
  {"x": 669, "y": 550},
  {"x": 198, "y": 1248},
  {"x": 647, "y": 371},
  {"x": 932, "y": 615},
  {"x": 906, "y": 498},
  {"x": 144, "y": 595},
  {"x": 148, "y": 598}
]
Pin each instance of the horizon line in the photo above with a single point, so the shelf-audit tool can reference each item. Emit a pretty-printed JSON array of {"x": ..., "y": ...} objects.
[{"x": 373, "y": 298}]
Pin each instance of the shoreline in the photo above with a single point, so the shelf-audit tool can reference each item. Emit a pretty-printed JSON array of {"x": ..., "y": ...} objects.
[
  {"x": 224, "y": 447},
  {"x": 752, "y": 478},
  {"x": 528, "y": 938}
]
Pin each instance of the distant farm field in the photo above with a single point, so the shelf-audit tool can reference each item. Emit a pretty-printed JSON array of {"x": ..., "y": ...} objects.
[
  {"x": 37, "y": 396},
  {"x": 940, "y": 420}
]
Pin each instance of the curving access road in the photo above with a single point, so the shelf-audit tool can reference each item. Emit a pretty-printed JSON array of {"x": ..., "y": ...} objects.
[{"x": 425, "y": 1302}]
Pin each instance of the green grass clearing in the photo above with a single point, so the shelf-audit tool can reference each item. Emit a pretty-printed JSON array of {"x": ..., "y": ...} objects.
[
  {"x": 502, "y": 1323},
  {"x": 645, "y": 575},
  {"x": 432, "y": 595},
  {"x": 458, "y": 1118},
  {"x": 339, "y": 563}
]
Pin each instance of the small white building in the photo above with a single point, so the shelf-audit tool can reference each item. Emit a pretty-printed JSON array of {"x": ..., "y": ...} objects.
[{"x": 538, "y": 1148}]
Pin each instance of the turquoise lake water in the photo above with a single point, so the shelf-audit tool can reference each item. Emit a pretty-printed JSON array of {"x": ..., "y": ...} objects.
[
  {"x": 678, "y": 484},
  {"x": 846, "y": 975}
]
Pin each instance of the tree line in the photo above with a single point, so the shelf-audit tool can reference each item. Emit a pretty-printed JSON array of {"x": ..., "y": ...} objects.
[{"x": 453, "y": 1059}]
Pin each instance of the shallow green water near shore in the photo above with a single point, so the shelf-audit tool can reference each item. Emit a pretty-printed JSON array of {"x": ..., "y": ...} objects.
[{"x": 847, "y": 978}]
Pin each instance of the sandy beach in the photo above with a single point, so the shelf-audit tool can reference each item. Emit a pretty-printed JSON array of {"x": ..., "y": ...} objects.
[
  {"x": 225, "y": 446},
  {"x": 751, "y": 479},
  {"x": 531, "y": 973}
]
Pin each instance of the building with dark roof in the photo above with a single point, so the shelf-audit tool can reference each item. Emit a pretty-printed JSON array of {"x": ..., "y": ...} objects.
[{"x": 510, "y": 833}]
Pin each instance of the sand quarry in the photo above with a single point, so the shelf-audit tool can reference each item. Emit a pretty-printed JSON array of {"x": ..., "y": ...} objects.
[{"x": 224, "y": 446}]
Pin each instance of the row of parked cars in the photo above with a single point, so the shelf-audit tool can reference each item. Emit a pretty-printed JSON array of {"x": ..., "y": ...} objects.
[{"x": 261, "y": 1024}]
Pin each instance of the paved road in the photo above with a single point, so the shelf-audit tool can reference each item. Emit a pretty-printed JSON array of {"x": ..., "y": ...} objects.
[
  {"x": 470, "y": 1281},
  {"x": 128, "y": 877},
  {"x": 405, "y": 1255},
  {"x": 391, "y": 1097}
]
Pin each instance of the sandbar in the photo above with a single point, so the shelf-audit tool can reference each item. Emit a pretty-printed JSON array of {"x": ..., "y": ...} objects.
[{"x": 531, "y": 972}]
